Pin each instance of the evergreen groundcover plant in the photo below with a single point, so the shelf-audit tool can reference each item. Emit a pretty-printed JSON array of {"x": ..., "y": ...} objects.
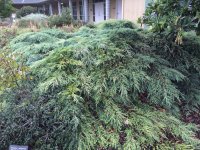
[{"x": 106, "y": 87}]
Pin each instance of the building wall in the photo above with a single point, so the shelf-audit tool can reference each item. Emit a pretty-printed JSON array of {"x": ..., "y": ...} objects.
[
  {"x": 133, "y": 9},
  {"x": 113, "y": 9},
  {"x": 90, "y": 10},
  {"x": 78, "y": 9},
  {"x": 55, "y": 8}
]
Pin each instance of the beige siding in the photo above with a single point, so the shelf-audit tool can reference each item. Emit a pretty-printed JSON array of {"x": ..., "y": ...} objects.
[
  {"x": 133, "y": 9},
  {"x": 113, "y": 9}
]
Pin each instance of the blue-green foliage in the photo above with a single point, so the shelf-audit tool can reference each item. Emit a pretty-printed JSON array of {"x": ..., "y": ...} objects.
[
  {"x": 37, "y": 44},
  {"x": 102, "y": 88}
]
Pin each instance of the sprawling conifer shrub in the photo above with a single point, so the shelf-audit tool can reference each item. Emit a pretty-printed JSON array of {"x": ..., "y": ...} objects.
[
  {"x": 109, "y": 87},
  {"x": 37, "y": 44}
]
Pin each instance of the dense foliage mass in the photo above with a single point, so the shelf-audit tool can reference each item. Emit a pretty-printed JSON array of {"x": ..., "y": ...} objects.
[
  {"x": 37, "y": 20},
  {"x": 5, "y": 36},
  {"x": 5, "y": 8},
  {"x": 109, "y": 86},
  {"x": 59, "y": 20},
  {"x": 37, "y": 44},
  {"x": 174, "y": 17},
  {"x": 26, "y": 10}
]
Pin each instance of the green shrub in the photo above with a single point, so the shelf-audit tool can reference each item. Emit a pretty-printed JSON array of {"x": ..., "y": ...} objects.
[
  {"x": 64, "y": 19},
  {"x": 37, "y": 20},
  {"x": 23, "y": 23},
  {"x": 37, "y": 44},
  {"x": 112, "y": 24},
  {"x": 105, "y": 88},
  {"x": 26, "y": 10},
  {"x": 55, "y": 20},
  {"x": 6, "y": 35},
  {"x": 6, "y": 8},
  {"x": 90, "y": 25}
]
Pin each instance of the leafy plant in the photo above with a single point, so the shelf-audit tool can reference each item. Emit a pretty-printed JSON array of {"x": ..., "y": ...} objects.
[
  {"x": 11, "y": 72},
  {"x": 6, "y": 35},
  {"x": 173, "y": 17}
]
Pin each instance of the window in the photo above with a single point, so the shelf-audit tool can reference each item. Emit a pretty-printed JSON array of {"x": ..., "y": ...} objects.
[
  {"x": 74, "y": 10},
  {"x": 96, "y": 1},
  {"x": 81, "y": 10}
]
